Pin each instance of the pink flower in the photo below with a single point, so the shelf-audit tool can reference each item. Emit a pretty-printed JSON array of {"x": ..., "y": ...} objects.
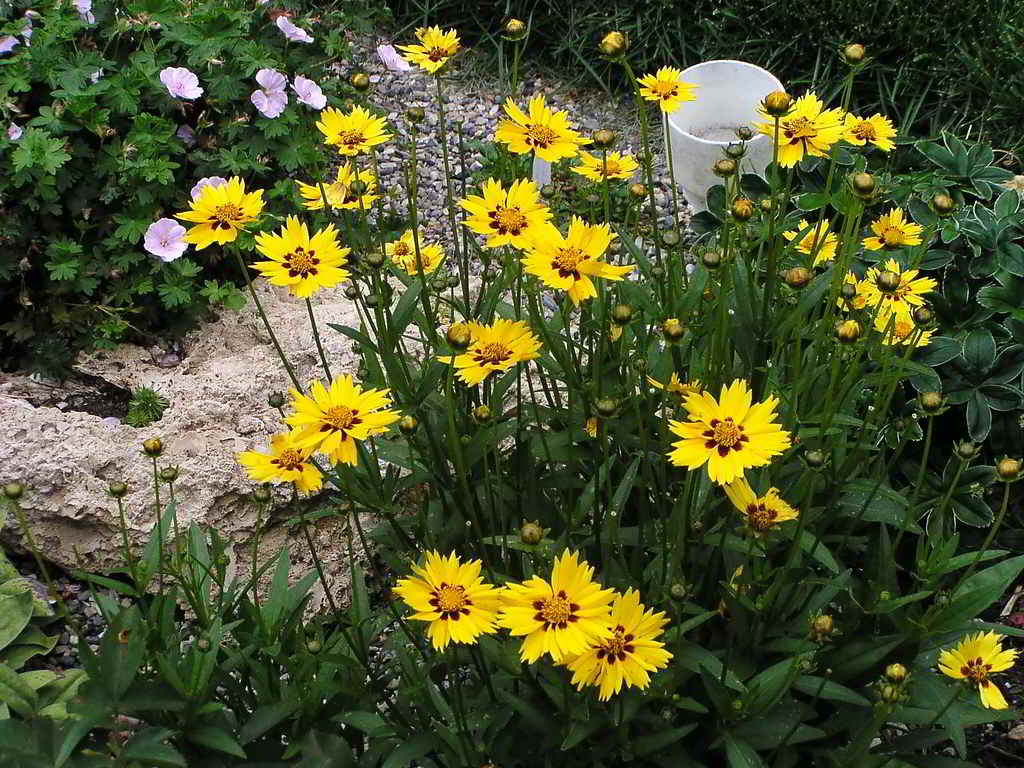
[
  {"x": 84, "y": 8},
  {"x": 186, "y": 134},
  {"x": 392, "y": 59},
  {"x": 309, "y": 93},
  {"x": 181, "y": 83},
  {"x": 291, "y": 32},
  {"x": 271, "y": 99},
  {"x": 8, "y": 43},
  {"x": 14, "y": 132},
  {"x": 208, "y": 181},
  {"x": 165, "y": 239}
]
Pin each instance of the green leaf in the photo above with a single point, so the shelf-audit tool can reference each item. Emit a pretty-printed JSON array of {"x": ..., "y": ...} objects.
[
  {"x": 16, "y": 692},
  {"x": 216, "y": 739},
  {"x": 976, "y": 594},
  {"x": 876, "y": 502},
  {"x": 740, "y": 754},
  {"x": 15, "y": 614},
  {"x": 979, "y": 350},
  {"x": 148, "y": 747},
  {"x": 940, "y": 350},
  {"x": 411, "y": 749},
  {"x": 266, "y": 717},
  {"x": 979, "y": 416},
  {"x": 646, "y": 745},
  {"x": 824, "y": 688},
  {"x": 325, "y": 750}
]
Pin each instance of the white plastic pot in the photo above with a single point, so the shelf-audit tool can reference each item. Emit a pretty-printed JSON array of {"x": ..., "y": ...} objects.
[{"x": 728, "y": 93}]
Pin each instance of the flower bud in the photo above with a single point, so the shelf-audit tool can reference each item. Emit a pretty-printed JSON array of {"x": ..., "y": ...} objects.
[
  {"x": 822, "y": 627},
  {"x": 606, "y": 407},
  {"x": 276, "y": 400},
  {"x": 261, "y": 495},
  {"x": 1008, "y": 469},
  {"x": 848, "y": 292},
  {"x": 887, "y": 281},
  {"x": 672, "y": 330},
  {"x": 481, "y": 414},
  {"x": 604, "y": 138},
  {"x": 853, "y": 53},
  {"x": 670, "y": 238},
  {"x": 735, "y": 151},
  {"x": 658, "y": 273},
  {"x": 797, "y": 277},
  {"x": 375, "y": 259},
  {"x": 373, "y": 300},
  {"x": 458, "y": 336},
  {"x": 531, "y": 533},
  {"x": 678, "y": 591},
  {"x": 931, "y": 402},
  {"x": 744, "y": 133},
  {"x": 118, "y": 490},
  {"x": 777, "y": 103},
  {"x": 896, "y": 673},
  {"x": 815, "y": 459},
  {"x": 848, "y": 331},
  {"x": 514, "y": 29},
  {"x": 863, "y": 184},
  {"x": 203, "y": 644},
  {"x": 622, "y": 314},
  {"x": 14, "y": 490},
  {"x": 943, "y": 204},
  {"x": 766, "y": 205},
  {"x": 724, "y": 168},
  {"x": 967, "y": 450},
  {"x": 408, "y": 425},
  {"x": 891, "y": 694},
  {"x": 360, "y": 81},
  {"x": 742, "y": 209},
  {"x": 638, "y": 190},
  {"x": 169, "y": 474},
  {"x": 358, "y": 187},
  {"x": 415, "y": 115},
  {"x": 153, "y": 447},
  {"x": 614, "y": 44},
  {"x": 923, "y": 315},
  {"x": 313, "y": 645},
  {"x": 711, "y": 259}
]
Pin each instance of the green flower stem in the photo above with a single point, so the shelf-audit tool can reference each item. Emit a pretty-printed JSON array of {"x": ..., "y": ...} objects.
[
  {"x": 442, "y": 128},
  {"x": 917, "y": 485},
  {"x": 992, "y": 533},
  {"x": 412, "y": 187},
  {"x": 126, "y": 549},
  {"x": 51, "y": 588},
  {"x": 671, "y": 175},
  {"x": 316, "y": 338},
  {"x": 159, "y": 527}
]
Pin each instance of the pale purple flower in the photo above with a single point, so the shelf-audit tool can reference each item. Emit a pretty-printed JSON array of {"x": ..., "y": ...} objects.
[
  {"x": 271, "y": 99},
  {"x": 291, "y": 32},
  {"x": 26, "y": 31},
  {"x": 186, "y": 134},
  {"x": 165, "y": 239},
  {"x": 207, "y": 181},
  {"x": 309, "y": 93},
  {"x": 181, "y": 83},
  {"x": 8, "y": 43},
  {"x": 84, "y": 8},
  {"x": 95, "y": 76},
  {"x": 14, "y": 132},
  {"x": 393, "y": 59}
]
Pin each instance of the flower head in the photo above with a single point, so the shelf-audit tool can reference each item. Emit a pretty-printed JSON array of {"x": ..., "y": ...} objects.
[
  {"x": 287, "y": 462},
  {"x": 203, "y": 183},
  {"x": 495, "y": 347},
  {"x": 816, "y": 239},
  {"x": 292, "y": 33},
  {"x": 613, "y": 166},
  {"x": 84, "y": 8},
  {"x": 762, "y": 513},
  {"x": 14, "y": 131},
  {"x": 302, "y": 262},
  {"x": 165, "y": 239},
  {"x": 434, "y": 49},
  {"x": 542, "y": 131},
  {"x": 893, "y": 230},
  {"x": 353, "y": 133},
  {"x": 974, "y": 659},
  {"x": 187, "y": 135},
  {"x": 568, "y": 263},
  {"x": 308, "y": 92},
  {"x": 453, "y": 598},
  {"x": 271, "y": 98},
  {"x": 339, "y": 193},
  {"x": 666, "y": 87},
  {"x": 629, "y": 655},
  {"x": 8, "y": 43},
  {"x": 677, "y": 387},
  {"x": 506, "y": 217},
  {"x": 220, "y": 212},
  {"x": 909, "y": 292},
  {"x": 875, "y": 130},
  {"x": 561, "y": 617},
  {"x": 403, "y": 253},
  {"x": 181, "y": 83},
  {"x": 392, "y": 59},
  {"x": 729, "y": 434},
  {"x": 806, "y": 129},
  {"x": 331, "y": 420},
  {"x": 898, "y": 328}
]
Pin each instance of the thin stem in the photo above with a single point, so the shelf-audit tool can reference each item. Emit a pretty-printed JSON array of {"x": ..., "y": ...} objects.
[{"x": 316, "y": 338}]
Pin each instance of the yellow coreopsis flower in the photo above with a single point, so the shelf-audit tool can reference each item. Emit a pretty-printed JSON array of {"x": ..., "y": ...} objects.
[
  {"x": 495, "y": 347},
  {"x": 542, "y": 131},
  {"x": 614, "y": 166},
  {"x": 331, "y": 420},
  {"x": 676, "y": 386},
  {"x": 434, "y": 49},
  {"x": 352, "y": 133},
  {"x": 305, "y": 264},
  {"x": 453, "y": 598},
  {"x": 875, "y": 130},
  {"x": 339, "y": 192},
  {"x": 561, "y": 617},
  {"x": 568, "y": 263},
  {"x": 287, "y": 462},
  {"x": 899, "y": 329},
  {"x": 816, "y": 239},
  {"x": 893, "y": 230},
  {"x": 807, "y": 129},
  {"x": 506, "y": 217},
  {"x": 667, "y": 87},
  {"x": 730, "y": 434},
  {"x": 763, "y": 513},
  {"x": 975, "y": 659},
  {"x": 403, "y": 253},
  {"x": 220, "y": 213},
  {"x": 629, "y": 656},
  {"x": 908, "y": 294}
]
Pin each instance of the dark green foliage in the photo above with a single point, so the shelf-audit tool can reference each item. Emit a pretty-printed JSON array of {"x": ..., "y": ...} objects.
[{"x": 145, "y": 407}]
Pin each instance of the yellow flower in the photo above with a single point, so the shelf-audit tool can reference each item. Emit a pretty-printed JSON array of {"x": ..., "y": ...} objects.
[
  {"x": 819, "y": 241},
  {"x": 332, "y": 420},
  {"x": 453, "y": 598},
  {"x": 543, "y": 131},
  {"x": 729, "y": 434},
  {"x": 629, "y": 656},
  {"x": 495, "y": 347},
  {"x": 617, "y": 165},
  {"x": 403, "y": 253},
  {"x": 561, "y": 617},
  {"x": 807, "y": 129},
  {"x": 339, "y": 193},
  {"x": 908, "y": 294},
  {"x": 305, "y": 264},
  {"x": 614, "y": 332},
  {"x": 975, "y": 659},
  {"x": 676, "y": 387},
  {"x": 667, "y": 88},
  {"x": 893, "y": 230},
  {"x": 434, "y": 49},
  {"x": 220, "y": 212},
  {"x": 875, "y": 130},
  {"x": 507, "y": 217},
  {"x": 591, "y": 426},
  {"x": 568, "y": 263},
  {"x": 899, "y": 329},
  {"x": 761, "y": 513},
  {"x": 354, "y": 133},
  {"x": 287, "y": 462},
  {"x": 859, "y": 300}
]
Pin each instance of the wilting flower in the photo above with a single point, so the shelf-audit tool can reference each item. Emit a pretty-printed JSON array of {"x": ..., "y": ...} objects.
[
  {"x": 542, "y": 131},
  {"x": 331, "y": 420},
  {"x": 613, "y": 166},
  {"x": 287, "y": 462},
  {"x": 667, "y": 88},
  {"x": 495, "y": 347},
  {"x": 562, "y": 617},
  {"x": 84, "y": 8},
  {"x": 568, "y": 263},
  {"x": 203, "y": 183},
  {"x": 629, "y": 656},
  {"x": 220, "y": 212},
  {"x": 760, "y": 513},
  {"x": 7, "y": 44},
  {"x": 590, "y": 426},
  {"x": 305, "y": 264},
  {"x": 165, "y": 239},
  {"x": 434, "y": 49},
  {"x": 14, "y": 131},
  {"x": 181, "y": 83},
  {"x": 339, "y": 193},
  {"x": 909, "y": 292},
  {"x": 506, "y": 217},
  {"x": 677, "y": 387},
  {"x": 271, "y": 98},
  {"x": 875, "y": 130},
  {"x": 453, "y": 598},
  {"x": 403, "y": 253},
  {"x": 975, "y": 659},
  {"x": 729, "y": 434},
  {"x": 187, "y": 135},
  {"x": 893, "y": 230},
  {"x": 353, "y": 133},
  {"x": 898, "y": 328},
  {"x": 293, "y": 33},
  {"x": 807, "y": 129},
  {"x": 816, "y": 239},
  {"x": 392, "y": 59},
  {"x": 308, "y": 92}
]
